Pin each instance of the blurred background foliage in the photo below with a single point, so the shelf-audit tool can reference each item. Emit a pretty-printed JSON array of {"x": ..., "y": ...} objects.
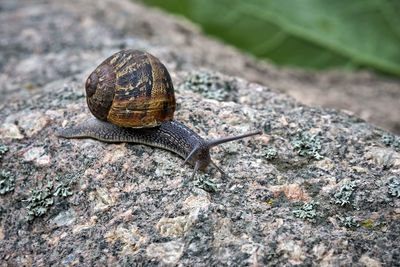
[{"x": 310, "y": 34}]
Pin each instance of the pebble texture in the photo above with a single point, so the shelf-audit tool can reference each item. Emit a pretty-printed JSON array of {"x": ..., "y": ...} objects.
[{"x": 318, "y": 187}]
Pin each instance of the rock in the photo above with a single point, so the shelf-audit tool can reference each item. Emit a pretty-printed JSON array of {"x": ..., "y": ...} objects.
[
  {"x": 178, "y": 226},
  {"x": 127, "y": 204},
  {"x": 168, "y": 253},
  {"x": 32, "y": 123},
  {"x": 37, "y": 154},
  {"x": 129, "y": 236},
  {"x": 291, "y": 191},
  {"x": 10, "y": 131},
  {"x": 65, "y": 217}
]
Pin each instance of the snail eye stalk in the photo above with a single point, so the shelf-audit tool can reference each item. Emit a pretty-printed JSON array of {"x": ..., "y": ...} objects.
[{"x": 216, "y": 142}]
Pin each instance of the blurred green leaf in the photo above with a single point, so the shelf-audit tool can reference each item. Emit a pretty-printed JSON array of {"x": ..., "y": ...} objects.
[{"x": 304, "y": 33}]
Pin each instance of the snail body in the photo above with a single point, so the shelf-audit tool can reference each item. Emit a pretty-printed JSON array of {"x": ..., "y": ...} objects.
[{"x": 132, "y": 98}]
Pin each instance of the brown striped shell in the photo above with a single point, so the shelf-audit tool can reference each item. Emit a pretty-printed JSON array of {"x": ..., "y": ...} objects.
[{"x": 131, "y": 89}]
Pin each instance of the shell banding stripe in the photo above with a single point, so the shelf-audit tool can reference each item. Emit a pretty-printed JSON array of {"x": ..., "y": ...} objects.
[{"x": 144, "y": 94}]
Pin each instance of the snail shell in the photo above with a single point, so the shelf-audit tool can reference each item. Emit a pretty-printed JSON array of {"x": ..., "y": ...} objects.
[{"x": 131, "y": 89}]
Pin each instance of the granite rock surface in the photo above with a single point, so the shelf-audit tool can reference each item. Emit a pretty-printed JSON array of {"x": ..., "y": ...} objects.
[{"x": 319, "y": 186}]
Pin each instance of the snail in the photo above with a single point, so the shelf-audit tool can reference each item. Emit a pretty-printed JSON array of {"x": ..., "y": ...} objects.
[{"x": 131, "y": 96}]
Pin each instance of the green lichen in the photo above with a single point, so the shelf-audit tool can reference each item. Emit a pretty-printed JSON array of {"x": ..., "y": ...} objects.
[
  {"x": 39, "y": 202},
  {"x": 3, "y": 150},
  {"x": 307, "y": 145},
  {"x": 63, "y": 189},
  {"x": 6, "y": 182},
  {"x": 391, "y": 140},
  {"x": 342, "y": 197},
  {"x": 42, "y": 199},
  {"x": 206, "y": 183},
  {"x": 394, "y": 186},
  {"x": 307, "y": 211},
  {"x": 208, "y": 86},
  {"x": 349, "y": 222},
  {"x": 270, "y": 154}
]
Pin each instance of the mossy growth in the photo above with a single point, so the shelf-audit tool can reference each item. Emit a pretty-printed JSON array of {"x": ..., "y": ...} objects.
[
  {"x": 206, "y": 183},
  {"x": 208, "y": 85},
  {"x": 394, "y": 186},
  {"x": 3, "y": 150},
  {"x": 370, "y": 225},
  {"x": 6, "y": 182},
  {"x": 307, "y": 211},
  {"x": 307, "y": 145},
  {"x": 39, "y": 202},
  {"x": 342, "y": 196}
]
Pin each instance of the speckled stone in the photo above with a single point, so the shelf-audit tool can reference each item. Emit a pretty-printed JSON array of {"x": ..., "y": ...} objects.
[
  {"x": 10, "y": 131},
  {"x": 126, "y": 204}
]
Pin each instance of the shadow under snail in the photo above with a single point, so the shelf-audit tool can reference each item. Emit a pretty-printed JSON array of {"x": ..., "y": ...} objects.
[{"x": 132, "y": 97}]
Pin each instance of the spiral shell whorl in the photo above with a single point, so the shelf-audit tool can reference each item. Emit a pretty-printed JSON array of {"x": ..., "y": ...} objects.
[
  {"x": 140, "y": 88},
  {"x": 100, "y": 90}
]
